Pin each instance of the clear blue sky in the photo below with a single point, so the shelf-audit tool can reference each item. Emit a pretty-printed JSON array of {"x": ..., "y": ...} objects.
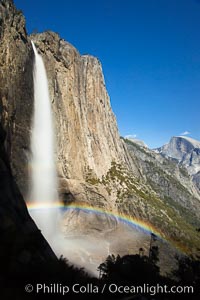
[{"x": 150, "y": 52}]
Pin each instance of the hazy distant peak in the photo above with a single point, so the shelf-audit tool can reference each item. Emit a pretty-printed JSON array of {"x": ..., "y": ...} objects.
[
  {"x": 184, "y": 149},
  {"x": 137, "y": 141}
]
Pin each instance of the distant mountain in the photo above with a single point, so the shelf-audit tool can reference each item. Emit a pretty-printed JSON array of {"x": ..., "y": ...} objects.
[
  {"x": 184, "y": 149},
  {"x": 137, "y": 141}
]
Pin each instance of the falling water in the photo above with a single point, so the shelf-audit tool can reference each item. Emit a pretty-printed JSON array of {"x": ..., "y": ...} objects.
[{"x": 43, "y": 171}]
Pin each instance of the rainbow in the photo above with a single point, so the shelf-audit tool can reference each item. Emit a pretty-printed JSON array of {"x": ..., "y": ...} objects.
[
  {"x": 142, "y": 225},
  {"x": 132, "y": 221}
]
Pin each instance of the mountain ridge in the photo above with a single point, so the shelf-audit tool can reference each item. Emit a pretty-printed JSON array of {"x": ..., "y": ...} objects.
[
  {"x": 194, "y": 142},
  {"x": 186, "y": 150}
]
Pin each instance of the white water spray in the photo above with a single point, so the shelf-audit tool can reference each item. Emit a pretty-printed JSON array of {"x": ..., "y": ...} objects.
[{"x": 43, "y": 171}]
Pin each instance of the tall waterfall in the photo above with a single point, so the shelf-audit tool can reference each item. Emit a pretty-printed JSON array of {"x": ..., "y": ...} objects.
[{"x": 43, "y": 188}]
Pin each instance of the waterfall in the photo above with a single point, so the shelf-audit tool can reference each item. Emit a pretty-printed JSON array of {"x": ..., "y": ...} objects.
[{"x": 43, "y": 188}]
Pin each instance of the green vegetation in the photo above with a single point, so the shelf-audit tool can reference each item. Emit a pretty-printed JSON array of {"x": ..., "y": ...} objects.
[
  {"x": 182, "y": 211},
  {"x": 170, "y": 217},
  {"x": 140, "y": 148},
  {"x": 90, "y": 177}
]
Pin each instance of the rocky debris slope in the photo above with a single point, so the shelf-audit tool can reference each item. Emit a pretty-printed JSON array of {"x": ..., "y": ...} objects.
[
  {"x": 167, "y": 177},
  {"x": 170, "y": 185}
]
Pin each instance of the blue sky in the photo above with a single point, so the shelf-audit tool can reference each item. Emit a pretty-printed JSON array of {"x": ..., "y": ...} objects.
[{"x": 150, "y": 53}]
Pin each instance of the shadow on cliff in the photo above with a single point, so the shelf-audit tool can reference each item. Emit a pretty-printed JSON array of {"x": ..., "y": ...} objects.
[{"x": 27, "y": 260}]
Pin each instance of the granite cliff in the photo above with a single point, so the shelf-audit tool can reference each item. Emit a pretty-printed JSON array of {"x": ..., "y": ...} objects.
[{"x": 87, "y": 136}]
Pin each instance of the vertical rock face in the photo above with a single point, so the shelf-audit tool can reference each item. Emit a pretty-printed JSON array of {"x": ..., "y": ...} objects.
[
  {"x": 21, "y": 241},
  {"x": 16, "y": 89},
  {"x": 87, "y": 133}
]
